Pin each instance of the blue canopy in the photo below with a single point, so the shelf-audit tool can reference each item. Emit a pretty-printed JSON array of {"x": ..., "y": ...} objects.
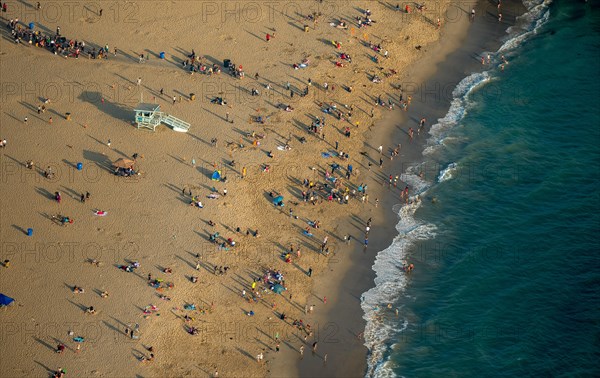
[
  {"x": 278, "y": 201},
  {"x": 5, "y": 301},
  {"x": 216, "y": 176},
  {"x": 278, "y": 288}
]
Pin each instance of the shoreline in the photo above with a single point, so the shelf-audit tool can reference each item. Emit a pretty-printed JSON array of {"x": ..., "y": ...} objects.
[
  {"x": 450, "y": 59},
  {"x": 453, "y": 65},
  {"x": 344, "y": 321}
]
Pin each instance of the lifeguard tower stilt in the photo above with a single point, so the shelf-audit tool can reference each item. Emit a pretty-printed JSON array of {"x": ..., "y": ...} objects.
[{"x": 149, "y": 116}]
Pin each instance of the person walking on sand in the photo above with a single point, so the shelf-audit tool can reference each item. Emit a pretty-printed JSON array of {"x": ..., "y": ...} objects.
[
  {"x": 472, "y": 14},
  {"x": 301, "y": 351},
  {"x": 324, "y": 300},
  {"x": 174, "y": 100}
]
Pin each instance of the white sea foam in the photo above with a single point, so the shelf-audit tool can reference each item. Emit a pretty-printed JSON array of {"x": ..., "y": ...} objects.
[
  {"x": 457, "y": 111},
  {"x": 390, "y": 281},
  {"x": 527, "y": 24},
  {"x": 412, "y": 179},
  {"x": 448, "y": 172}
]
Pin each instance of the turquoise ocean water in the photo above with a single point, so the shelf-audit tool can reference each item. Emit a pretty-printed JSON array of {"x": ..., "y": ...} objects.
[{"x": 505, "y": 240}]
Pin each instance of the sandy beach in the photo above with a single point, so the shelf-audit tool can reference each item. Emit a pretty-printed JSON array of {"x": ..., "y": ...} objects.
[{"x": 157, "y": 269}]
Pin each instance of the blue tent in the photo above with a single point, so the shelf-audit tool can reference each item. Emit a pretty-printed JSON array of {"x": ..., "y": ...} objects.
[
  {"x": 216, "y": 176},
  {"x": 278, "y": 288},
  {"x": 278, "y": 201},
  {"x": 5, "y": 301}
]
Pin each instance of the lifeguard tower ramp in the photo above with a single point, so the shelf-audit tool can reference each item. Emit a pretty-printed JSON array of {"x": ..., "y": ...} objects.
[
  {"x": 175, "y": 123},
  {"x": 149, "y": 116}
]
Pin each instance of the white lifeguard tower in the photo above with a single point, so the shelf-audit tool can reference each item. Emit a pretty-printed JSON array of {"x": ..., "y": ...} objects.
[{"x": 149, "y": 116}]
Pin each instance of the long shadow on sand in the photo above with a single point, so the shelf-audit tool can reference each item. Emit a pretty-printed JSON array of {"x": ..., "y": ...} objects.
[{"x": 118, "y": 111}]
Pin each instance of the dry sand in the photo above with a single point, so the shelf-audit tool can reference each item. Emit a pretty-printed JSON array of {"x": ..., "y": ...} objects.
[{"x": 149, "y": 219}]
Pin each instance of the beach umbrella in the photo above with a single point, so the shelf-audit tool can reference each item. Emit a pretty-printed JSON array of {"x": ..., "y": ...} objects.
[
  {"x": 278, "y": 289},
  {"x": 123, "y": 163},
  {"x": 5, "y": 301}
]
